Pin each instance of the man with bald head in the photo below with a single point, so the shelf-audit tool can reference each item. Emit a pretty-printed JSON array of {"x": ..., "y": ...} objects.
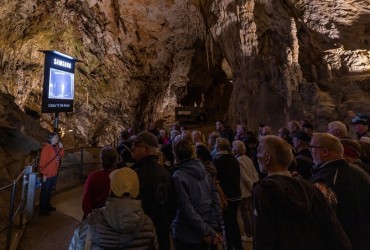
[
  {"x": 346, "y": 187},
  {"x": 338, "y": 129},
  {"x": 290, "y": 213}
]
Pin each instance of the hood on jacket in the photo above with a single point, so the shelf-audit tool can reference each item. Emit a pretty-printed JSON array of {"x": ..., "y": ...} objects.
[
  {"x": 294, "y": 195},
  {"x": 125, "y": 216},
  {"x": 193, "y": 167}
]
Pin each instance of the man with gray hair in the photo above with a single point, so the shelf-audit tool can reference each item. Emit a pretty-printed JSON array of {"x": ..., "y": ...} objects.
[
  {"x": 290, "y": 213},
  {"x": 346, "y": 187},
  {"x": 338, "y": 129},
  {"x": 248, "y": 176},
  {"x": 197, "y": 137},
  {"x": 155, "y": 184}
]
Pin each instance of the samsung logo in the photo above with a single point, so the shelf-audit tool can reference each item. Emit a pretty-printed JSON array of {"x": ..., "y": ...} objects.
[{"x": 62, "y": 63}]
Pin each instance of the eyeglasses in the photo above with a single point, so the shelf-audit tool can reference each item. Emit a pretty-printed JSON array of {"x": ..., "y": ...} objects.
[{"x": 313, "y": 146}]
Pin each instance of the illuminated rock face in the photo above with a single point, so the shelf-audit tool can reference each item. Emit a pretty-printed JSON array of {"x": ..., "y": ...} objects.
[
  {"x": 293, "y": 59},
  {"x": 248, "y": 61}
]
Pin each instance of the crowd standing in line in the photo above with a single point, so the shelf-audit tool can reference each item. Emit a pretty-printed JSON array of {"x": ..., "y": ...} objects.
[{"x": 298, "y": 190}]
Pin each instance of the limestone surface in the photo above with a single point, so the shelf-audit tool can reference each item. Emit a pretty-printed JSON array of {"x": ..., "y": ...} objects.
[{"x": 245, "y": 61}]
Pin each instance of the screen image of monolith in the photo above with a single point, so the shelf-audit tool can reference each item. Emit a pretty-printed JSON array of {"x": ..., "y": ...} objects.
[{"x": 61, "y": 85}]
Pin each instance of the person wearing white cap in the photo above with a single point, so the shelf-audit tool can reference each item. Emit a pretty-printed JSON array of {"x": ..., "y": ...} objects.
[{"x": 122, "y": 223}]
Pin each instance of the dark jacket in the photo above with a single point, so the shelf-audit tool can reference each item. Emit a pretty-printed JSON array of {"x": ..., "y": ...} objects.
[
  {"x": 199, "y": 208},
  {"x": 121, "y": 224},
  {"x": 228, "y": 173},
  {"x": 228, "y": 133},
  {"x": 156, "y": 195},
  {"x": 360, "y": 164},
  {"x": 304, "y": 163},
  {"x": 123, "y": 145},
  {"x": 290, "y": 213},
  {"x": 351, "y": 186}
]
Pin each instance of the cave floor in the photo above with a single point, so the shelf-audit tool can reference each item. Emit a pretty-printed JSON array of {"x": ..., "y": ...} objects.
[{"x": 55, "y": 231}]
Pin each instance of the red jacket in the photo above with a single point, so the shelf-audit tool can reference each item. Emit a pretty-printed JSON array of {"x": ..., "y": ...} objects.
[
  {"x": 50, "y": 160},
  {"x": 97, "y": 189}
]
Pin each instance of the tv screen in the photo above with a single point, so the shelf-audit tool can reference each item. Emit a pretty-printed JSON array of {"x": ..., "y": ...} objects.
[{"x": 61, "y": 85}]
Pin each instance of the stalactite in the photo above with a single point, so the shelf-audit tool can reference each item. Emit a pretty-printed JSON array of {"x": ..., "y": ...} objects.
[
  {"x": 211, "y": 48},
  {"x": 207, "y": 50},
  {"x": 295, "y": 45}
]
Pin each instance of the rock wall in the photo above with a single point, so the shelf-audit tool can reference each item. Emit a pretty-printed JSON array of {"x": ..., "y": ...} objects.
[
  {"x": 293, "y": 59},
  {"x": 20, "y": 139},
  {"x": 248, "y": 61},
  {"x": 136, "y": 59}
]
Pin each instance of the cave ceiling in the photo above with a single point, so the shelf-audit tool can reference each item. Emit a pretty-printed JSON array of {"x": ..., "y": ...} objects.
[{"x": 250, "y": 61}]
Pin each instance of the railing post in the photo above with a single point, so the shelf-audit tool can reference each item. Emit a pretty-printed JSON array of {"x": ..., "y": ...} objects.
[
  {"x": 31, "y": 191},
  {"x": 24, "y": 192},
  {"x": 10, "y": 217}
]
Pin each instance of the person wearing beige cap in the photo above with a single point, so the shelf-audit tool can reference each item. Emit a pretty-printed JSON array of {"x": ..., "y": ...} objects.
[{"x": 122, "y": 223}]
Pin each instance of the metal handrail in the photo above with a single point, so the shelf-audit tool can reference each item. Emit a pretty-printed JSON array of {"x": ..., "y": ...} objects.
[
  {"x": 81, "y": 164},
  {"x": 13, "y": 212},
  {"x": 5, "y": 187}
]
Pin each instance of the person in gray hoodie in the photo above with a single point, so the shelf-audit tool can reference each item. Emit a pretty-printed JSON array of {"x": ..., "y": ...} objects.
[
  {"x": 198, "y": 205},
  {"x": 121, "y": 224}
]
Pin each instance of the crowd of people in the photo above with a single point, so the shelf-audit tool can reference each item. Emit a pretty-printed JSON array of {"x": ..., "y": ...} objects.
[{"x": 299, "y": 189}]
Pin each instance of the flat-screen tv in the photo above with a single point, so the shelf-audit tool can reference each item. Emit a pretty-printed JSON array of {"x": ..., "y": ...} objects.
[{"x": 59, "y": 85}]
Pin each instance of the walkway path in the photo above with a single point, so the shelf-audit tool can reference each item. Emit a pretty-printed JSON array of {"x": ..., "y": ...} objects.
[{"x": 54, "y": 232}]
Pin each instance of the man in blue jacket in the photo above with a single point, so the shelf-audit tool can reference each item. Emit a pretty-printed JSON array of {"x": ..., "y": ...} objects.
[{"x": 199, "y": 209}]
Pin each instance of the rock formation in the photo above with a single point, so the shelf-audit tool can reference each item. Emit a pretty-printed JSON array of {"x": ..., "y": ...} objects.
[
  {"x": 247, "y": 61},
  {"x": 293, "y": 59}
]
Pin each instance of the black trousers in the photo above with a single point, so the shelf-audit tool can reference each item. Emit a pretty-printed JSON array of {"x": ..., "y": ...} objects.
[
  {"x": 45, "y": 194},
  {"x": 180, "y": 245},
  {"x": 232, "y": 230}
]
